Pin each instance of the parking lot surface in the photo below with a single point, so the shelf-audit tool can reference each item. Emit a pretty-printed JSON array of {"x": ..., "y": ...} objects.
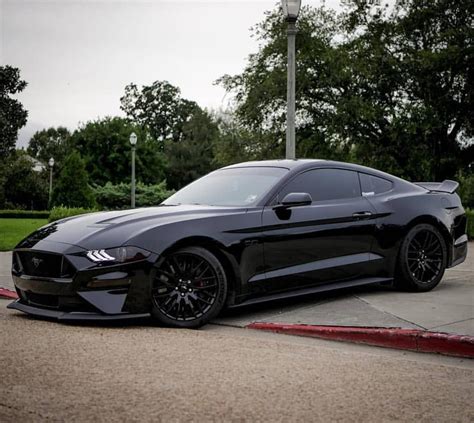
[
  {"x": 57, "y": 372},
  {"x": 138, "y": 372}
]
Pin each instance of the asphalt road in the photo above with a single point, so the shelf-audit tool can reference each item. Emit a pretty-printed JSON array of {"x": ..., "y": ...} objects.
[{"x": 57, "y": 372}]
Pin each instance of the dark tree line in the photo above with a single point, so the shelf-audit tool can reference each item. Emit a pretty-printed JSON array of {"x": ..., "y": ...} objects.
[{"x": 391, "y": 90}]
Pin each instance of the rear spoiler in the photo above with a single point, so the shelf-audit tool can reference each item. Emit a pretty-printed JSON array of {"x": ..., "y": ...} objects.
[{"x": 445, "y": 186}]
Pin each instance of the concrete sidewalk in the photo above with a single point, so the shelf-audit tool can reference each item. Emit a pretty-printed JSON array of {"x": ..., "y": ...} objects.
[
  {"x": 448, "y": 308},
  {"x": 5, "y": 266}
]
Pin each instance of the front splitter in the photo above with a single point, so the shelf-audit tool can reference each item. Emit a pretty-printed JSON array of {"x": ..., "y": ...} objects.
[{"x": 76, "y": 316}]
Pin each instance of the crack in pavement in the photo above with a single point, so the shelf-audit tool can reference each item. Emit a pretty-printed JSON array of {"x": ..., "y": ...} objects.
[{"x": 389, "y": 314}]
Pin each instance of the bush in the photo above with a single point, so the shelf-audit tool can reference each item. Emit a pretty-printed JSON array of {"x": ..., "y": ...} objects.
[
  {"x": 24, "y": 214},
  {"x": 117, "y": 196},
  {"x": 62, "y": 212},
  {"x": 470, "y": 223},
  {"x": 466, "y": 190}
]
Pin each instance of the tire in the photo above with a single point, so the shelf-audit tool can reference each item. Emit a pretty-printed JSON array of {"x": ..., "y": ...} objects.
[
  {"x": 422, "y": 259},
  {"x": 190, "y": 288}
]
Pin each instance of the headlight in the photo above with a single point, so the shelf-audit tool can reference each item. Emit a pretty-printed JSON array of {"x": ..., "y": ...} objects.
[{"x": 117, "y": 255}]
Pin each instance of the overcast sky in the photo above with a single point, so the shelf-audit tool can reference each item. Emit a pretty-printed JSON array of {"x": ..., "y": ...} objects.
[{"x": 78, "y": 55}]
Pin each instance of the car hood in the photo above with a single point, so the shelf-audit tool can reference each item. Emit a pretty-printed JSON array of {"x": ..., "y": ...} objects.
[{"x": 115, "y": 228}]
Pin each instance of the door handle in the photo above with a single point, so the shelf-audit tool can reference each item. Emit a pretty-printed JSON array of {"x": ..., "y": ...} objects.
[{"x": 362, "y": 215}]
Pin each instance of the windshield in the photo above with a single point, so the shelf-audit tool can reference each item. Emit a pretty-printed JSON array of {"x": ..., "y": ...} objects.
[{"x": 243, "y": 186}]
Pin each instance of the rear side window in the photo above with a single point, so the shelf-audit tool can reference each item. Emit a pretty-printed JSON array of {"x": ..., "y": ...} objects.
[
  {"x": 325, "y": 184},
  {"x": 372, "y": 185}
]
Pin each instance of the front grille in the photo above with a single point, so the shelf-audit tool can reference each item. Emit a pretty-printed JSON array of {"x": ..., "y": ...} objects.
[{"x": 49, "y": 265}]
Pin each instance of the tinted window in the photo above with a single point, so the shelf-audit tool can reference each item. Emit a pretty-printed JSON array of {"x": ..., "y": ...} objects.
[
  {"x": 242, "y": 186},
  {"x": 325, "y": 184},
  {"x": 372, "y": 185}
]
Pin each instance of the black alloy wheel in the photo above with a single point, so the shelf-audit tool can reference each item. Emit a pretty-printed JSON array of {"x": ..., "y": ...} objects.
[
  {"x": 422, "y": 258},
  {"x": 189, "y": 289}
]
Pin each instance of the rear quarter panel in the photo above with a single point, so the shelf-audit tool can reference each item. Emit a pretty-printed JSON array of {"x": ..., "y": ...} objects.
[{"x": 399, "y": 212}]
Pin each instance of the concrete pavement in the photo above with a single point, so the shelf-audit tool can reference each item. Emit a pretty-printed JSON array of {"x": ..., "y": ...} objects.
[
  {"x": 5, "y": 266},
  {"x": 448, "y": 308}
]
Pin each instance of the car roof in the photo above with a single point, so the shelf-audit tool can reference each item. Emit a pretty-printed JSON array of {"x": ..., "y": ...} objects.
[
  {"x": 297, "y": 165},
  {"x": 284, "y": 163},
  {"x": 301, "y": 164}
]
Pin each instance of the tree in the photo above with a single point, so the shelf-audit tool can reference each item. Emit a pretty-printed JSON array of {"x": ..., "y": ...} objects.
[
  {"x": 72, "y": 188},
  {"x": 260, "y": 91},
  {"x": 235, "y": 143},
  {"x": 51, "y": 142},
  {"x": 104, "y": 144},
  {"x": 159, "y": 108},
  {"x": 12, "y": 114},
  {"x": 391, "y": 90},
  {"x": 23, "y": 188},
  {"x": 415, "y": 76},
  {"x": 192, "y": 157}
]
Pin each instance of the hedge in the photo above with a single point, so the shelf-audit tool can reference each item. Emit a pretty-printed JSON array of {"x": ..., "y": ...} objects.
[
  {"x": 115, "y": 197},
  {"x": 470, "y": 223},
  {"x": 24, "y": 214},
  {"x": 63, "y": 212}
]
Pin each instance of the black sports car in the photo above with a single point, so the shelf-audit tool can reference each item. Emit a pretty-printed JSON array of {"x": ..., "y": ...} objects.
[{"x": 243, "y": 234}]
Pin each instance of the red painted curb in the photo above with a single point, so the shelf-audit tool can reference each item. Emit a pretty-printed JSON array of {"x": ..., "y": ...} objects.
[
  {"x": 6, "y": 293},
  {"x": 403, "y": 339}
]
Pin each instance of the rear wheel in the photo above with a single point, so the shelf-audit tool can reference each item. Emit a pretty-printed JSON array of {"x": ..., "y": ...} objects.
[
  {"x": 422, "y": 259},
  {"x": 189, "y": 289}
]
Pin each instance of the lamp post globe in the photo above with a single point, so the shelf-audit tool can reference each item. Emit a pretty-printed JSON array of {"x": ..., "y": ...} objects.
[
  {"x": 133, "y": 138},
  {"x": 291, "y": 10},
  {"x": 133, "y": 143},
  {"x": 51, "y": 164}
]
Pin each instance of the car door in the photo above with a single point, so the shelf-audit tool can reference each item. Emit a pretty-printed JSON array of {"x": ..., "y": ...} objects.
[{"x": 326, "y": 241}]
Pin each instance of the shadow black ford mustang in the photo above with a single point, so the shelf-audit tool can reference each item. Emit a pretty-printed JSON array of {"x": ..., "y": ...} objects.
[{"x": 243, "y": 234}]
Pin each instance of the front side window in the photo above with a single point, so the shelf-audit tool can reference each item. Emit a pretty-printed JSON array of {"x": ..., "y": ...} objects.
[
  {"x": 243, "y": 186},
  {"x": 325, "y": 184}
]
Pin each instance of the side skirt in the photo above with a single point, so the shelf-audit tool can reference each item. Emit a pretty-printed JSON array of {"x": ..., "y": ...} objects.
[{"x": 313, "y": 290}]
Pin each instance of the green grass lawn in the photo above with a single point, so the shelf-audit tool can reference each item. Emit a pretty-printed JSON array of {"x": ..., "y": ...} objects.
[{"x": 12, "y": 231}]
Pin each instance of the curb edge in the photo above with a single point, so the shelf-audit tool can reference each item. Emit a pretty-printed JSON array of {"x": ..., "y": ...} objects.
[
  {"x": 8, "y": 294},
  {"x": 396, "y": 338}
]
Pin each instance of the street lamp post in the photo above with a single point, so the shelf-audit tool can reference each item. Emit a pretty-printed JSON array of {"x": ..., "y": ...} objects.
[
  {"x": 133, "y": 142},
  {"x": 291, "y": 10},
  {"x": 51, "y": 164}
]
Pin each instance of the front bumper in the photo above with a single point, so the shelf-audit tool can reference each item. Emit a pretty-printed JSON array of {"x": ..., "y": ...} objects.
[
  {"x": 74, "y": 316},
  {"x": 87, "y": 292}
]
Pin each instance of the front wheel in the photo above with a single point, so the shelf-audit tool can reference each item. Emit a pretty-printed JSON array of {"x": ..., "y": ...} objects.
[
  {"x": 189, "y": 289},
  {"x": 422, "y": 259}
]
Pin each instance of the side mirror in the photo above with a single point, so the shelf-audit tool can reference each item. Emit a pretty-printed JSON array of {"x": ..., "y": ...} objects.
[{"x": 294, "y": 199}]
